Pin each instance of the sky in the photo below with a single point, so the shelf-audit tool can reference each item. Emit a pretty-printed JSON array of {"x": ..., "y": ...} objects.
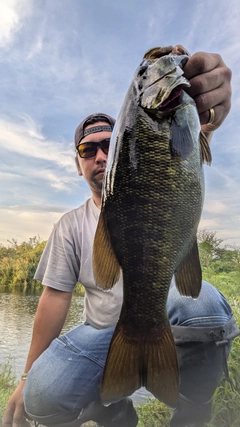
[{"x": 61, "y": 60}]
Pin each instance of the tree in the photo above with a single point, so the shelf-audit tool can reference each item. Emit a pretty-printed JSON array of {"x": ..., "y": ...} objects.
[
  {"x": 209, "y": 247},
  {"x": 18, "y": 262},
  {"x": 235, "y": 251}
]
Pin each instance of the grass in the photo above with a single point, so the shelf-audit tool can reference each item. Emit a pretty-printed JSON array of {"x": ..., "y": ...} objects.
[
  {"x": 7, "y": 384},
  {"x": 226, "y": 405},
  {"x": 153, "y": 414}
]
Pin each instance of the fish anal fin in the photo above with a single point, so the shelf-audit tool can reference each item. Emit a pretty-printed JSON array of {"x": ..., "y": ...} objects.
[
  {"x": 188, "y": 276},
  {"x": 133, "y": 362},
  {"x": 105, "y": 264},
  {"x": 205, "y": 149}
]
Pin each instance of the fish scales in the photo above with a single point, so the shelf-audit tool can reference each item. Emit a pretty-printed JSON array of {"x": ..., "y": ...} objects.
[{"x": 151, "y": 206}]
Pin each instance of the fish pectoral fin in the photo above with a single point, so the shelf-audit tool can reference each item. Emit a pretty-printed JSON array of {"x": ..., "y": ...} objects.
[
  {"x": 133, "y": 363},
  {"x": 205, "y": 149},
  {"x": 181, "y": 142},
  {"x": 106, "y": 267},
  {"x": 188, "y": 276}
]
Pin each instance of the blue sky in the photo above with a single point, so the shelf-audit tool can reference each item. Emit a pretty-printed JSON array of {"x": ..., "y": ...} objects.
[{"x": 61, "y": 60}]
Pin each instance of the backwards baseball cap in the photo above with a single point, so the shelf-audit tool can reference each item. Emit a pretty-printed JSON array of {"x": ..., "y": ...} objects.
[{"x": 80, "y": 132}]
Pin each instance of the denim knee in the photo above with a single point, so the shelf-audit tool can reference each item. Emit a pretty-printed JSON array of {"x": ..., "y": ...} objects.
[
  {"x": 209, "y": 309},
  {"x": 51, "y": 387},
  {"x": 67, "y": 376},
  {"x": 203, "y": 330}
]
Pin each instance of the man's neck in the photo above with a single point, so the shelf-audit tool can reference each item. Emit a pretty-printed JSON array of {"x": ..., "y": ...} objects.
[{"x": 97, "y": 200}]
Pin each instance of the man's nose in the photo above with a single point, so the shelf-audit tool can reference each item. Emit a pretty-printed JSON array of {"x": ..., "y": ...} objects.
[{"x": 100, "y": 155}]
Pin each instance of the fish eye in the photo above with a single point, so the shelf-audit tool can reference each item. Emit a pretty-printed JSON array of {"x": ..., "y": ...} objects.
[{"x": 142, "y": 70}]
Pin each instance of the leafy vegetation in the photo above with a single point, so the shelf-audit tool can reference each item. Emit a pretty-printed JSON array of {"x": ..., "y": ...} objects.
[
  {"x": 18, "y": 263},
  {"x": 7, "y": 385},
  {"x": 221, "y": 267}
]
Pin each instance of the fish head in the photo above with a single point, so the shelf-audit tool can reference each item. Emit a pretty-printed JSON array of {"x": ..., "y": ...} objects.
[{"x": 160, "y": 81}]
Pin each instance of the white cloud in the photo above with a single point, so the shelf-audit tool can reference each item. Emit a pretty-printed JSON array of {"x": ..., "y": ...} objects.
[
  {"x": 60, "y": 182},
  {"x": 216, "y": 207},
  {"x": 21, "y": 225},
  {"x": 9, "y": 20},
  {"x": 9, "y": 176},
  {"x": 12, "y": 14},
  {"x": 25, "y": 138}
]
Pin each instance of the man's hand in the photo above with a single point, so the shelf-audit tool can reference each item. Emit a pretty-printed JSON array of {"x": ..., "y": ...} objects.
[
  {"x": 210, "y": 87},
  {"x": 15, "y": 415}
]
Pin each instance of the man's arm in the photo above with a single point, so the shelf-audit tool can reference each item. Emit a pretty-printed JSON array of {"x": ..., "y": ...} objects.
[
  {"x": 49, "y": 320},
  {"x": 50, "y": 317}
]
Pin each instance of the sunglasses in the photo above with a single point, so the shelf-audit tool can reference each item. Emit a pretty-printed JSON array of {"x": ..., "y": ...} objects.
[{"x": 89, "y": 149}]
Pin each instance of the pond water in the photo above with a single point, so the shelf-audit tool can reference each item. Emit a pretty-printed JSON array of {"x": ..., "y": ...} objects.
[{"x": 17, "y": 312}]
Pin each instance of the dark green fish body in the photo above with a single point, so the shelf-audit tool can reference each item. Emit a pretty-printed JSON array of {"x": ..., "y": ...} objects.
[{"x": 151, "y": 207}]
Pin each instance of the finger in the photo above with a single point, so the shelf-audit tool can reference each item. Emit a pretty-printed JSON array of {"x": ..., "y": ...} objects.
[
  {"x": 209, "y": 81},
  {"x": 205, "y": 118},
  {"x": 219, "y": 99},
  {"x": 202, "y": 62},
  {"x": 20, "y": 417},
  {"x": 20, "y": 422},
  {"x": 8, "y": 415}
]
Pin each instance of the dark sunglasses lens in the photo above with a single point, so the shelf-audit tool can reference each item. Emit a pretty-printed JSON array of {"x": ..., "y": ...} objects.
[
  {"x": 105, "y": 145},
  {"x": 87, "y": 149}
]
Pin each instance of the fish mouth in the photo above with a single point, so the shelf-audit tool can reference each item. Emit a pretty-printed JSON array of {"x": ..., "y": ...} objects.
[{"x": 174, "y": 99}]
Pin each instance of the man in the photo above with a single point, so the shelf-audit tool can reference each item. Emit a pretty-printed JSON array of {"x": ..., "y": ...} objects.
[{"x": 63, "y": 374}]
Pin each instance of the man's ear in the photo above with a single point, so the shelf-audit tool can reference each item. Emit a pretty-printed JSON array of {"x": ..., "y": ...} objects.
[{"x": 78, "y": 165}]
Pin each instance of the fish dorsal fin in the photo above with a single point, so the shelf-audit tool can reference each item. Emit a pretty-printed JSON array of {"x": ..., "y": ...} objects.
[
  {"x": 106, "y": 268},
  {"x": 188, "y": 276},
  {"x": 181, "y": 143},
  {"x": 205, "y": 149},
  {"x": 157, "y": 52}
]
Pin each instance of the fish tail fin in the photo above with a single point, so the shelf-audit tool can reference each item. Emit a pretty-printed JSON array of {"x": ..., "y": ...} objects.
[
  {"x": 132, "y": 363},
  {"x": 188, "y": 276},
  {"x": 122, "y": 373},
  {"x": 162, "y": 375}
]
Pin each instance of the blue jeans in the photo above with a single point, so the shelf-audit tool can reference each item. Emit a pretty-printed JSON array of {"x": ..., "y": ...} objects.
[{"x": 67, "y": 376}]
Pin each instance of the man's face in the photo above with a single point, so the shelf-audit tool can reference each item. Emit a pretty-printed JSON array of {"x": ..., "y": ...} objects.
[{"x": 93, "y": 168}]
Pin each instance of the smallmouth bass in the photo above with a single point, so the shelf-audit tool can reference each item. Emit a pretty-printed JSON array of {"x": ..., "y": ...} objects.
[{"x": 152, "y": 201}]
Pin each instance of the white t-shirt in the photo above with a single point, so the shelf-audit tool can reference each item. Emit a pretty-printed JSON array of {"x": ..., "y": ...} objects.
[{"x": 67, "y": 259}]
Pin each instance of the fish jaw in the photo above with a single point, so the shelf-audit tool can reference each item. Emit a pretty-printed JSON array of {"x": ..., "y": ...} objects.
[{"x": 162, "y": 82}]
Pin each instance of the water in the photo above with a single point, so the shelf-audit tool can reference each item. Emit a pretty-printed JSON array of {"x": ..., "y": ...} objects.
[{"x": 17, "y": 312}]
